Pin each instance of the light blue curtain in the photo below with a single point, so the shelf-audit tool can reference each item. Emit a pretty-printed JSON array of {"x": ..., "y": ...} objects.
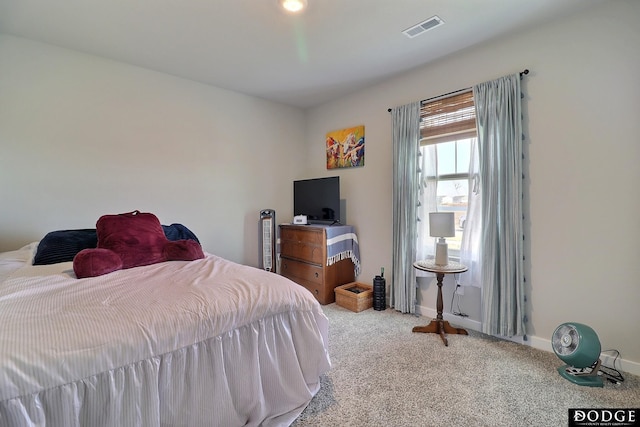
[
  {"x": 499, "y": 121},
  {"x": 406, "y": 145}
]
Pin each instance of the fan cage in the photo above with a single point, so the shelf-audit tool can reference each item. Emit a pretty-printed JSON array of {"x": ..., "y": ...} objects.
[{"x": 565, "y": 340}]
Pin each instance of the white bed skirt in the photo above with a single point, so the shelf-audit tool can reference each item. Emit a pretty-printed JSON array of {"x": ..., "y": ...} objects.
[
  {"x": 178, "y": 388},
  {"x": 202, "y": 343}
]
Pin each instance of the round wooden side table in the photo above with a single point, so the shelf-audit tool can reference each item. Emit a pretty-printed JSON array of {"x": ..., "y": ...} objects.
[{"x": 439, "y": 325}]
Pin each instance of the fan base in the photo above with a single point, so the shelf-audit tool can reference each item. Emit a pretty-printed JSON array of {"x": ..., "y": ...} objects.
[{"x": 584, "y": 380}]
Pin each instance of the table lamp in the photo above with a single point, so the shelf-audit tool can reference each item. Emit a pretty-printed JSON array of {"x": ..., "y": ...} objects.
[{"x": 441, "y": 225}]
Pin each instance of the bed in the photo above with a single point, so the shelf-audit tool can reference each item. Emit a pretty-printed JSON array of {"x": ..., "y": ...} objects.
[{"x": 180, "y": 343}]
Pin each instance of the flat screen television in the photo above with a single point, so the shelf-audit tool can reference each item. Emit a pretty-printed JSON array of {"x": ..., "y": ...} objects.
[{"x": 318, "y": 199}]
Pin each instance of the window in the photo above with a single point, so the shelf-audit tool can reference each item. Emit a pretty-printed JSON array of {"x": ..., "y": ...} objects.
[{"x": 448, "y": 131}]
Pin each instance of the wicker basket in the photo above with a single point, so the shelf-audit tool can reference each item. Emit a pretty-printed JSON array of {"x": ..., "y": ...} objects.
[{"x": 357, "y": 301}]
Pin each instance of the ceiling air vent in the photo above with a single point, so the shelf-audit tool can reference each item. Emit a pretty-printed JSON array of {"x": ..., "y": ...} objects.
[{"x": 423, "y": 27}]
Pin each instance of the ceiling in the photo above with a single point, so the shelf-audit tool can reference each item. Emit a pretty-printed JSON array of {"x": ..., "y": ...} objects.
[{"x": 251, "y": 46}]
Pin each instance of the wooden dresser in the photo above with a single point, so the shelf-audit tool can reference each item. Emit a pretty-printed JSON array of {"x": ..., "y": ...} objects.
[{"x": 303, "y": 259}]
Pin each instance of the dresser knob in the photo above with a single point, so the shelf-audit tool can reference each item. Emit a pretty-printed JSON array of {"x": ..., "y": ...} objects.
[{"x": 316, "y": 274}]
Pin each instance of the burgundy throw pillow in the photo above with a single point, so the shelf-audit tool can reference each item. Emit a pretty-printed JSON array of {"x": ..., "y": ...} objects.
[
  {"x": 95, "y": 262},
  {"x": 183, "y": 250},
  {"x": 130, "y": 240},
  {"x": 138, "y": 238}
]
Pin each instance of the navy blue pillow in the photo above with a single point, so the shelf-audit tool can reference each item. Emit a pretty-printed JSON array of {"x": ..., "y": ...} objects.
[
  {"x": 179, "y": 232},
  {"x": 63, "y": 245}
]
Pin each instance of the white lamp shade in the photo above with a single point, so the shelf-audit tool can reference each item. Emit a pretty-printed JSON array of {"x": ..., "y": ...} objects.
[{"x": 442, "y": 224}]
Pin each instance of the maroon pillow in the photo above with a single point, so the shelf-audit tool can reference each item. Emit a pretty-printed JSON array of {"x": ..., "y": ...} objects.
[
  {"x": 95, "y": 262},
  {"x": 183, "y": 250},
  {"x": 130, "y": 240},
  {"x": 137, "y": 237}
]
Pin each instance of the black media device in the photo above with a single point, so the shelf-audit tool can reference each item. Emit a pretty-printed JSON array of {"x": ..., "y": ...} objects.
[{"x": 318, "y": 199}]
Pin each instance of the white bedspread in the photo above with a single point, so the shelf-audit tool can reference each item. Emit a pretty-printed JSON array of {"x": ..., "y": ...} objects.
[{"x": 207, "y": 342}]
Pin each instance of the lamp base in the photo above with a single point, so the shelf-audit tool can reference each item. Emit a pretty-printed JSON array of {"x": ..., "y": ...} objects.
[{"x": 442, "y": 252}]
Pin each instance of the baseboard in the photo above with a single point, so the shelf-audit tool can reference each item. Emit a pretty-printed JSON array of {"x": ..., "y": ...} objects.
[
  {"x": 607, "y": 359},
  {"x": 532, "y": 341}
]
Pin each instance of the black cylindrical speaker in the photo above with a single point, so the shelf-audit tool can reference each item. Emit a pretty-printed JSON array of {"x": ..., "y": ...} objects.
[{"x": 379, "y": 293}]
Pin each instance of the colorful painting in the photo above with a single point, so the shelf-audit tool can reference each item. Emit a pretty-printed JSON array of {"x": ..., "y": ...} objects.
[{"x": 345, "y": 148}]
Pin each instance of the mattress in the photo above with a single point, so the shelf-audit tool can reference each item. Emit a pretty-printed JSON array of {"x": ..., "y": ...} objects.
[{"x": 206, "y": 342}]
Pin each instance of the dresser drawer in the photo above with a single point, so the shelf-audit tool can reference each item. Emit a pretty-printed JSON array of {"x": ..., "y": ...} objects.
[
  {"x": 303, "y": 259},
  {"x": 302, "y": 251},
  {"x": 301, "y": 270},
  {"x": 310, "y": 236},
  {"x": 323, "y": 293}
]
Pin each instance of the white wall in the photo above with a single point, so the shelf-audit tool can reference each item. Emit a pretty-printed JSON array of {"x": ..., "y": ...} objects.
[
  {"x": 583, "y": 99},
  {"x": 82, "y": 136}
]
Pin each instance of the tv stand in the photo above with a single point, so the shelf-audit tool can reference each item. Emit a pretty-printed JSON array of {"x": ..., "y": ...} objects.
[{"x": 303, "y": 259}]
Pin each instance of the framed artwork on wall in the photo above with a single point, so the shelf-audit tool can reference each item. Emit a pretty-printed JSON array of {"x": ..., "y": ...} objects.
[{"x": 345, "y": 148}]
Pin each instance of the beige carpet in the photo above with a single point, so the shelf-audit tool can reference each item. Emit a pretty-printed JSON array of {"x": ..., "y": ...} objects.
[{"x": 385, "y": 375}]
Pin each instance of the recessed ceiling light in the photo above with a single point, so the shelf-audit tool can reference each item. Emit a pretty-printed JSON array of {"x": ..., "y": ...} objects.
[{"x": 293, "y": 5}]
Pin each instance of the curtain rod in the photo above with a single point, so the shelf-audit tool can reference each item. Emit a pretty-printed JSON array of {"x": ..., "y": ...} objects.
[{"x": 522, "y": 74}]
